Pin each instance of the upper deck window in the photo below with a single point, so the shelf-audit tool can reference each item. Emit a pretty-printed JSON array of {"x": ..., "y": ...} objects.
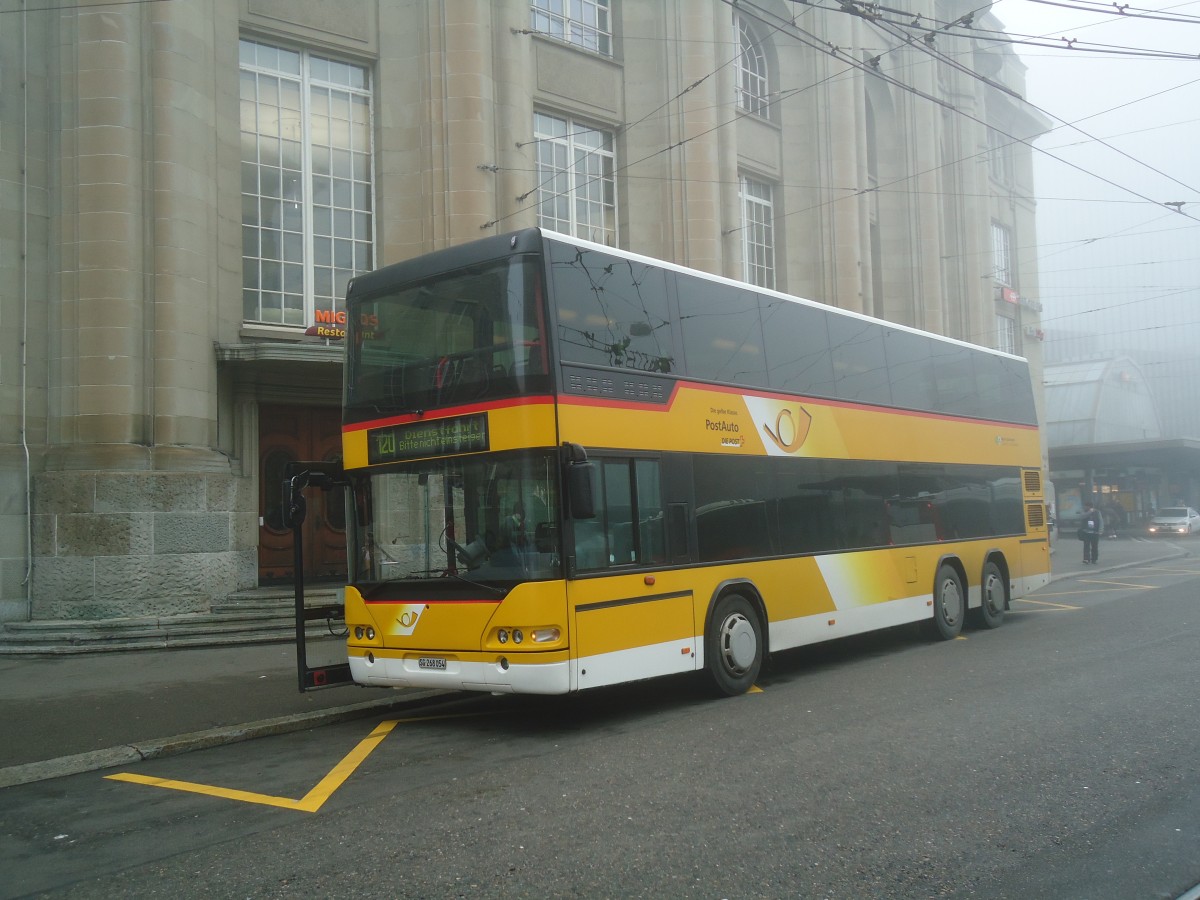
[{"x": 471, "y": 335}]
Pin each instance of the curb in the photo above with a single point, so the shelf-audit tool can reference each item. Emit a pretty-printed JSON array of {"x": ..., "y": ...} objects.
[{"x": 127, "y": 754}]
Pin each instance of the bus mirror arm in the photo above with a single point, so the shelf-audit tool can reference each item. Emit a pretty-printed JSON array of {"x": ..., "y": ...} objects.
[
  {"x": 297, "y": 477},
  {"x": 578, "y": 473},
  {"x": 295, "y": 507}
]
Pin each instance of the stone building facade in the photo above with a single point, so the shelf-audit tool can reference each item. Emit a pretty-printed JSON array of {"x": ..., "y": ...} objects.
[{"x": 186, "y": 187}]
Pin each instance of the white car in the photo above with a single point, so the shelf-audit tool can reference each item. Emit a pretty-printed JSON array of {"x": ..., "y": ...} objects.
[{"x": 1175, "y": 520}]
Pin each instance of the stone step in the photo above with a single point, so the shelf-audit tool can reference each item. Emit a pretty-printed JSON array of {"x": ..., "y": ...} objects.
[{"x": 250, "y": 618}]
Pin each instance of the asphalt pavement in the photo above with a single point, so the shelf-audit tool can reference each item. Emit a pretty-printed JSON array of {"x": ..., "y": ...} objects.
[{"x": 64, "y": 715}]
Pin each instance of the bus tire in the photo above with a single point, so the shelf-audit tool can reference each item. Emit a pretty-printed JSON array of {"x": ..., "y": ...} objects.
[
  {"x": 733, "y": 646},
  {"x": 949, "y": 605},
  {"x": 994, "y": 598}
]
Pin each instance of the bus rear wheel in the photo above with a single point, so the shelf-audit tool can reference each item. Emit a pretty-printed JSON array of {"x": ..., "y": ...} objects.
[
  {"x": 949, "y": 605},
  {"x": 995, "y": 598},
  {"x": 734, "y": 646}
]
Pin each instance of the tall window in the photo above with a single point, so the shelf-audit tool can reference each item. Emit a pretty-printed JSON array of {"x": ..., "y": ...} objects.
[
  {"x": 584, "y": 23},
  {"x": 752, "y": 83},
  {"x": 1006, "y": 334},
  {"x": 307, "y": 210},
  {"x": 1000, "y": 162},
  {"x": 576, "y": 187},
  {"x": 1002, "y": 254},
  {"x": 758, "y": 233}
]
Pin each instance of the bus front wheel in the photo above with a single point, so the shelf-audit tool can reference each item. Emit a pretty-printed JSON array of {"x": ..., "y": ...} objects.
[
  {"x": 734, "y": 645},
  {"x": 949, "y": 605},
  {"x": 995, "y": 598}
]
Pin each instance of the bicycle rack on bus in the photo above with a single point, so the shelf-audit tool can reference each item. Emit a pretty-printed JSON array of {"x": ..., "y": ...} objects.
[{"x": 296, "y": 477}]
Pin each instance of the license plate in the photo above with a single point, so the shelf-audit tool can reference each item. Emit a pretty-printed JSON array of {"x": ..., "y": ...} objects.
[{"x": 431, "y": 662}]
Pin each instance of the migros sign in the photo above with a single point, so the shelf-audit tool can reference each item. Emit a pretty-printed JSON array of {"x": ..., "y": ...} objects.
[{"x": 331, "y": 323}]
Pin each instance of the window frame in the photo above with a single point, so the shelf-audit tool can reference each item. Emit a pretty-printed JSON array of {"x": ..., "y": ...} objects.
[
  {"x": 1006, "y": 334},
  {"x": 591, "y": 30},
  {"x": 752, "y": 71},
  {"x": 564, "y": 174},
  {"x": 758, "y": 231},
  {"x": 333, "y": 237},
  {"x": 1002, "y": 263},
  {"x": 643, "y": 486}
]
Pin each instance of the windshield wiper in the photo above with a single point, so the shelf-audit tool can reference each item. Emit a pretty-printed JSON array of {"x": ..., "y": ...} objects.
[
  {"x": 479, "y": 584},
  {"x": 446, "y": 573}
]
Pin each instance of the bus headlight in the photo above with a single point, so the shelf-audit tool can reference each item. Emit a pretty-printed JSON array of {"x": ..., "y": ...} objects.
[
  {"x": 502, "y": 637},
  {"x": 545, "y": 635},
  {"x": 518, "y": 635}
]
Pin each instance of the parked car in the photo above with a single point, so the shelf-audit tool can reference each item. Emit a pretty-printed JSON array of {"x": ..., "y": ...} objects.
[{"x": 1175, "y": 520}]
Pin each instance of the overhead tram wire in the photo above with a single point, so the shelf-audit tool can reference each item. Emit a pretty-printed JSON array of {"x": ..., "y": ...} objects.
[
  {"x": 824, "y": 47},
  {"x": 932, "y": 27},
  {"x": 1015, "y": 139},
  {"x": 927, "y": 47},
  {"x": 1123, "y": 11},
  {"x": 815, "y": 42},
  {"x": 624, "y": 127}
]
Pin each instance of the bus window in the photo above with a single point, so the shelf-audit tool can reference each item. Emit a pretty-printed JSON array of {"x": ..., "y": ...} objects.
[
  {"x": 628, "y": 489},
  {"x": 810, "y": 509},
  {"x": 722, "y": 334},
  {"x": 858, "y": 361},
  {"x": 865, "y": 487},
  {"x": 796, "y": 338},
  {"x": 910, "y": 369},
  {"x": 464, "y": 337},
  {"x": 954, "y": 372},
  {"x": 651, "y": 516},
  {"x": 732, "y": 519},
  {"x": 611, "y": 311}
]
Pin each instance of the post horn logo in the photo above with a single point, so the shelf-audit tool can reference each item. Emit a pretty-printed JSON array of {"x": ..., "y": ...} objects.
[
  {"x": 407, "y": 620},
  {"x": 790, "y": 430}
]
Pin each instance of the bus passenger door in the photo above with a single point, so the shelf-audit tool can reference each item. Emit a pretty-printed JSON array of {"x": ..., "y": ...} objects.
[{"x": 629, "y": 621}]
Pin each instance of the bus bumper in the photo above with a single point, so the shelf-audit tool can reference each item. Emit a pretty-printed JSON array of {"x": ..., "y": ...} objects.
[{"x": 506, "y": 676}]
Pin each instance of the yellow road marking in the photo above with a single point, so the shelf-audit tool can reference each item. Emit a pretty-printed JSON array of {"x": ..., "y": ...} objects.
[
  {"x": 310, "y": 802},
  {"x": 1051, "y": 606},
  {"x": 754, "y": 689},
  {"x": 1140, "y": 587}
]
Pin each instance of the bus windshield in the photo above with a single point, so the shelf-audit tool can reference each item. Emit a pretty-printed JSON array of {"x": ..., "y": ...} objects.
[
  {"x": 471, "y": 335},
  {"x": 487, "y": 518}
]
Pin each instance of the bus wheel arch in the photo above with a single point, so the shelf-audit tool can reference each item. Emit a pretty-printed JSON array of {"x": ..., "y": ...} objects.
[
  {"x": 949, "y": 600},
  {"x": 993, "y": 592},
  {"x": 735, "y": 638}
]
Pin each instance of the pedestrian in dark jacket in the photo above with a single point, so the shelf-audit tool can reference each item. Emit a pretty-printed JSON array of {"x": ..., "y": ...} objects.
[{"x": 1090, "y": 530}]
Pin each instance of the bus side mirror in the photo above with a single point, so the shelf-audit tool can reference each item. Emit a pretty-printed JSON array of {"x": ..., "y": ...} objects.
[{"x": 580, "y": 478}]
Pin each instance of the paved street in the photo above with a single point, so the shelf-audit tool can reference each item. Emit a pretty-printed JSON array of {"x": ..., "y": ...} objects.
[{"x": 1054, "y": 757}]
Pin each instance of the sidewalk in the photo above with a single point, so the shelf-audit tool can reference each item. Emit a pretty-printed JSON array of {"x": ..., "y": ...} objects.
[
  {"x": 1066, "y": 560},
  {"x": 66, "y": 715}
]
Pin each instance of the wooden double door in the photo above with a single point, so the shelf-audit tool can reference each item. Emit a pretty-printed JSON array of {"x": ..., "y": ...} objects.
[{"x": 290, "y": 434}]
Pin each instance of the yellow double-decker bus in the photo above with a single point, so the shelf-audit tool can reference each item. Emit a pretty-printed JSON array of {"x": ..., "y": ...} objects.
[{"x": 573, "y": 466}]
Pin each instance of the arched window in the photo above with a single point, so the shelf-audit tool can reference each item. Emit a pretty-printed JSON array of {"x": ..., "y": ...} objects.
[{"x": 752, "y": 81}]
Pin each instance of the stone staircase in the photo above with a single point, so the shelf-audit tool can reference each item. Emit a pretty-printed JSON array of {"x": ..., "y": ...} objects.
[{"x": 261, "y": 616}]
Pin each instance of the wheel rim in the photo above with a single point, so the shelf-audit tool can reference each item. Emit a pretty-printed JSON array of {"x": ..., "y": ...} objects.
[
  {"x": 993, "y": 594},
  {"x": 739, "y": 644},
  {"x": 950, "y": 602}
]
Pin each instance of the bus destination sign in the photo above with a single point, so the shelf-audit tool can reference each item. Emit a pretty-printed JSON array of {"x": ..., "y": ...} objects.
[{"x": 419, "y": 440}]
